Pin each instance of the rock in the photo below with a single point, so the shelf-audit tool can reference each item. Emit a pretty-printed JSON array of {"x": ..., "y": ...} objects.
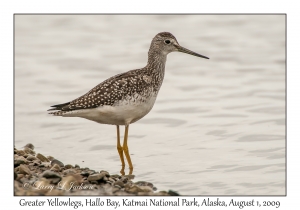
[
  {"x": 30, "y": 146},
  {"x": 42, "y": 185},
  {"x": 119, "y": 183},
  {"x": 70, "y": 182},
  {"x": 45, "y": 164},
  {"x": 124, "y": 179},
  {"x": 142, "y": 183},
  {"x": 66, "y": 180},
  {"x": 145, "y": 193},
  {"x": 29, "y": 151},
  {"x": 23, "y": 169},
  {"x": 111, "y": 180},
  {"x": 146, "y": 189},
  {"x": 69, "y": 171},
  {"x": 20, "y": 176},
  {"x": 19, "y": 160},
  {"x": 55, "y": 168},
  {"x": 129, "y": 176},
  {"x": 54, "y": 161},
  {"x": 173, "y": 193},
  {"x": 42, "y": 157},
  {"x": 161, "y": 193},
  {"x": 54, "y": 177},
  {"x": 92, "y": 172},
  {"x": 96, "y": 177},
  {"x": 31, "y": 158},
  {"x": 134, "y": 189},
  {"x": 85, "y": 173},
  {"x": 105, "y": 172},
  {"x": 116, "y": 188},
  {"x": 50, "y": 158},
  {"x": 115, "y": 176},
  {"x": 68, "y": 166},
  {"x": 20, "y": 152}
]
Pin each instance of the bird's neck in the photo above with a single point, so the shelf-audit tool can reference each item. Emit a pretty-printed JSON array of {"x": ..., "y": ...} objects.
[
  {"x": 156, "y": 67},
  {"x": 156, "y": 61}
]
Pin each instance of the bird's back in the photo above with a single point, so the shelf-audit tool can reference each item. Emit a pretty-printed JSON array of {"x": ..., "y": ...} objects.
[{"x": 132, "y": 92}]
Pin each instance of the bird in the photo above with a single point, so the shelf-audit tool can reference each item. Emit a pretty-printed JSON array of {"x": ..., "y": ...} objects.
[{"x": 125, "y": 98}]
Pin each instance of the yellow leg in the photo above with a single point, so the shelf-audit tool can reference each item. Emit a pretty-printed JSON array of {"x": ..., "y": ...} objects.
[
  {"x": 119, "y": 147},
  {"x": 125, "y": 148}
]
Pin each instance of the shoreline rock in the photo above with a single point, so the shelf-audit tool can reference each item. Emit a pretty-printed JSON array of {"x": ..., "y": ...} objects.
[{"x": 37, "y": 175}]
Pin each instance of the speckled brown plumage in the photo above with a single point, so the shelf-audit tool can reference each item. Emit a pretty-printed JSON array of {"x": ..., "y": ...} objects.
[
  {"x": 113, "y": 90},
  {"x": 125, "y": 98},
  {"x": 140, "y": 84}
]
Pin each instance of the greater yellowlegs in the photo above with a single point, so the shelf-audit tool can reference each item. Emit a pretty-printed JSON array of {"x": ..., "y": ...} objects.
[{"x": 125, "y": 98}]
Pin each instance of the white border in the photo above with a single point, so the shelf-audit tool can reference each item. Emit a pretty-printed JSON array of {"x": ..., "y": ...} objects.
[{"x": 8, "y": 8}]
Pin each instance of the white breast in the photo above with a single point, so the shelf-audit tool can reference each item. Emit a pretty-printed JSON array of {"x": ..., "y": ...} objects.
[{"x": 125, "y": 112}]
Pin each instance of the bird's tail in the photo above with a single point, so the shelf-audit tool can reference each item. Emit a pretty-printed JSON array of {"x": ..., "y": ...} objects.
[{"x": 58, "y": 106}]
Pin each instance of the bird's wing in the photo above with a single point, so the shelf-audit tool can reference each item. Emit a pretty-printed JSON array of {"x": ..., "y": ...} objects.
[{"x": 106, "y": 93}]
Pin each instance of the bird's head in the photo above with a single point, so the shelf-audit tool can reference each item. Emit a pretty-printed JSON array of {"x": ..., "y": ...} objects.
[{"x": 165, "y": 42}]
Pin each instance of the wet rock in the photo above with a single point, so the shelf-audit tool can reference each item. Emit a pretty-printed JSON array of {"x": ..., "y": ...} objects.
[
  {"x": 42, "y": 157},
  {"x": 119, "y": 183},
  {"x": 20, "y": 176},
  {"x": 124, "y": 179},
  {"x": 30, "y": 146},
  {"x": 29, "y": 151},
  {"x": 85, "y": 173},
  {"x": 45, "y": 164},
  {"x": 116, "y": 188},
  {"x": 68, "y": 166},
  {"x": 96, "y": 177},
  {"x": 55, "y": 167},
  {"x": 105, "y": 173},
  {"x": 31, "y": 158},
  {"x": 77, "y": 166},
  {"x": 69, "y": 171},
  {"x": 111, "y": 180},
  {"x": 129, "y": 176},
  {"x": 134, "y": 189},
  {"x": 145, "y": 193},
  {"x": 142, "y": 183},
  {"x": 54, "y": 161},
  {"x": 92, "y": 172},
  {"x": 36, "y": 162},
  {"x": 146, "y": 189},
  {"x": 50, "y": 158},
  {"x": 20, "y": 152},
  {"x": 161, "y": 193},
  {"x": 173, "y": 193},
  {"x": 71, "y": 182},
  {"x": 19, "y": 160},
  {"x": 115, "y": 176},
  {"x": 23, "y": 169},
  {"x": 54, "y": 177}
]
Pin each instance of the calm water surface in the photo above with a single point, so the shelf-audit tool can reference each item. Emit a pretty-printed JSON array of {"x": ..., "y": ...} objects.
[{"x": 218, "y": 125}]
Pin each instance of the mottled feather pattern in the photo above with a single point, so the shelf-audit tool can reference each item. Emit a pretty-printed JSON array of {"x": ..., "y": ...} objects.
[
  {"x": 132, "y": 86},
  {"x": 113, "y": 90}
]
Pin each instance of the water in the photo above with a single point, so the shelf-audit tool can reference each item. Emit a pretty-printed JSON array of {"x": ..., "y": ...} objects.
[{"x": 218, "y": 125}]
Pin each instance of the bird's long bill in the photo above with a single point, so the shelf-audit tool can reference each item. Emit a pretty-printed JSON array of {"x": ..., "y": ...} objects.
[{"x": 184, "y": 50}]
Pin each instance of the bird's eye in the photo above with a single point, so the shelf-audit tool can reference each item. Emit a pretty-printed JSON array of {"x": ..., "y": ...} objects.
[{"x": 167, "y": 41}]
